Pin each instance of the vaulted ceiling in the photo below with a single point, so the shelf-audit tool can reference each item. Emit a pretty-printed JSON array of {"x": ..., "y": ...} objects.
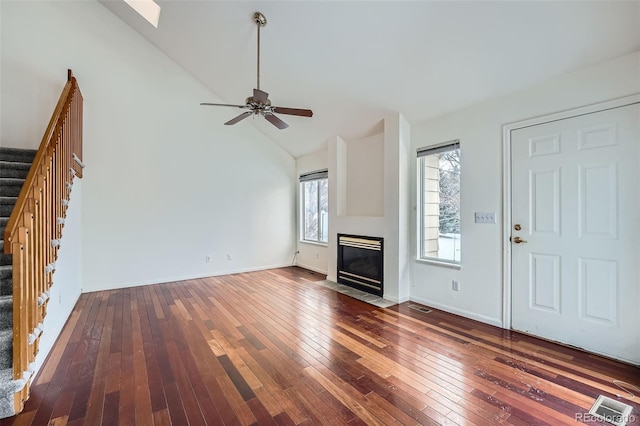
[{"x": 353, "y": 62}]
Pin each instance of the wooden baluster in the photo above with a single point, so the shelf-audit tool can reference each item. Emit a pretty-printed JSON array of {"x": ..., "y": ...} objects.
[
  {"x": 59, "y": 194},
  {"x": 49, "y": 208},
  {"x": 28, "y": 282},
  {"x": 50, "y": 201},
  {"x": 56, "y": 193},
  {"x": 39, "y": 239},
  {"x": 20, "y": 333},
  {"x": 79, "y": 148},
  {"x": 19, "y": 306},
  {"x": 61, "y": 175},
  {"x": 45, "y": 228},
  {"x": 30, "y": 216}
]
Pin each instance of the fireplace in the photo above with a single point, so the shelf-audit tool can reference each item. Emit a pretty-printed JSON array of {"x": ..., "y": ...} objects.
[{"x": 360, "y": 262}]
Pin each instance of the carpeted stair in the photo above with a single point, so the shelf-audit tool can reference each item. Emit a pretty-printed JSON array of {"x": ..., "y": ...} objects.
[{"x": 14, "y": 166}]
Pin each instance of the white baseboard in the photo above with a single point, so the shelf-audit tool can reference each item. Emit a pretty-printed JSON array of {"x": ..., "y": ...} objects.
[
  {"x": 165, "y": 280},
  {"x": 312, "y": 268},
  {"x": 463, "y": 313},
  {"x": 395, "y": 299}
]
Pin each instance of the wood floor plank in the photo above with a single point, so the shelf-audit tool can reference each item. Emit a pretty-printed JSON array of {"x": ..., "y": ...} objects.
[
  {"x": 273, "y": 347},
  {"x": 97, "y": 397},
  {"x": 162, "y": 418},
  {"x": 142, "y": 402}
]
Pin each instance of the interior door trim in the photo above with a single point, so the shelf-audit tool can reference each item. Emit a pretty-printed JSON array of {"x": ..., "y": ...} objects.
[{"x": 506, "y": 183}]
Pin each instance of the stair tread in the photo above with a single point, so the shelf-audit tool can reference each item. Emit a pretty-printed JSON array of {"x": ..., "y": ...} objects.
[
  {"x": 12, "y": 169},
  {"x": 6, "y": 374},
  {"x": 17, "y": 154},
  {"x": 13, "y": 164},
  {"x": 6, "y": 337},
  {"x": 17, "y": 150},
  {"x": 8, "y": 200},
  {"x": 6, "y": 381}
]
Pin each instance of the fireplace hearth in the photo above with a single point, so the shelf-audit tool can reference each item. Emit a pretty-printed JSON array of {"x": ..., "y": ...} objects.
[{"x": 360, "y": 260}]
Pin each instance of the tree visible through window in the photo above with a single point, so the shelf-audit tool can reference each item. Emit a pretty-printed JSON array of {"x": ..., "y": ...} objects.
[
  {"x": 315, "y": 201},
  {"x": 439, "y": 170}
]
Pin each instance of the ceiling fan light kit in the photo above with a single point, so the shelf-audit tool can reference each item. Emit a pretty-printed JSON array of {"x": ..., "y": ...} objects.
[{"x": 259, "y": 103}]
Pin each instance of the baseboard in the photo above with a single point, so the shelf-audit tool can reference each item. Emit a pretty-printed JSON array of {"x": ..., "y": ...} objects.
[
  {"x": 463, "y": 313},
  {"x": 311, "y": 268},
  {"x": 166, "y": 280},
  {"x": 395, "y": 299}
]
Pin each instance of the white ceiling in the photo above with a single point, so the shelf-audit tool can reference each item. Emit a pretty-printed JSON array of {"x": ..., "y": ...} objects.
[{"x": 353, "y": 62}]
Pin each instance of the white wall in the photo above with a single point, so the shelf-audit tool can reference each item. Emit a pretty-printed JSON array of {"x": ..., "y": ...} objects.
[
  {"x": 311, "y": 256},
  {"x": 479, "y": 129},
  {"x": 365, "y": 176},
  {"x": 397, "y": 215},
  {"x": 67, "y": 278},
  {"x": 166, "y": 183}
]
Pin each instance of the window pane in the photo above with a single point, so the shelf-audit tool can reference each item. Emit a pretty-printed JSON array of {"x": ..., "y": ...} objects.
[
  {"x": 310, "y": 193},
  {"x": 440, "y": 218},
  {"x": 323, "y": 193}
]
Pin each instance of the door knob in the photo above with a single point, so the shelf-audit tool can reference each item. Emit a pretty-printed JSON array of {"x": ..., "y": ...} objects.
[{"x": 519, "y": 240}]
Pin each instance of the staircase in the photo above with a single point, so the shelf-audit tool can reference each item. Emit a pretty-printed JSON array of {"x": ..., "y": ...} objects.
[
  {"x": 35, "y": 188},
  {"x": 14, "y": 166}
]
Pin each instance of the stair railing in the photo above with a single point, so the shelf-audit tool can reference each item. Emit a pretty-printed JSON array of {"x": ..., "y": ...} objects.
[{"x": 34, "y": 230}]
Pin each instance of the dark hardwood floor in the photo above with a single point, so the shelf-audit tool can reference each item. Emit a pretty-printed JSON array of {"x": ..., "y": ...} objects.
[{"x": 272, "y": 347}]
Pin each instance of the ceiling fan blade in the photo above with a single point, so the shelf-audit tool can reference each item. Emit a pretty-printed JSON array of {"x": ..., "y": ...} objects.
[
  {"x": 239, "y": 118},
  {"x": 276, "y": 121},
  {"x": 293, "y": 111},
  {"x": 225, "y": 105},
  {"x": 260, "y": 97}
]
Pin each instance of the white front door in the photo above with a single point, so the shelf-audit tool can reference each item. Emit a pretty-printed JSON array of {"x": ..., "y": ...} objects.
[{"x": 575, "y": 193}]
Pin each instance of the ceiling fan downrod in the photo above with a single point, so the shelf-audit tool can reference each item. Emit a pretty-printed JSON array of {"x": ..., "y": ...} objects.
[
  {"x": 260, "y": 21},
  {"x": 259, "y": 103}
]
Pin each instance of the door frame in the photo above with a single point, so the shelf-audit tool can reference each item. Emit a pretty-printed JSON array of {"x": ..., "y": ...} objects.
[{"x": 506, "y": 183}]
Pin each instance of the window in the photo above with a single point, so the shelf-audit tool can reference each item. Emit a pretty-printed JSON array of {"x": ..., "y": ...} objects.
[
  {"x": 314, "y": 189},
  {"x": 439, "y": 202}
]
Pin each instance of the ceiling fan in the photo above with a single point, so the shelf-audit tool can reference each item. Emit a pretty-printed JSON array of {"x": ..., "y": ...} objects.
[{"x": 259, "y": 103}]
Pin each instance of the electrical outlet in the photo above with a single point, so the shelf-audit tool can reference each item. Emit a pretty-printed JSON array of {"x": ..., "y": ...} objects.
[
  {"x": 455, "y": 285},
  {"x": 229, "y": 256},
  {"x": 208, "y": 259},
  {"x": 317, "y": 256},
  {"x": 485, "y": 217}
]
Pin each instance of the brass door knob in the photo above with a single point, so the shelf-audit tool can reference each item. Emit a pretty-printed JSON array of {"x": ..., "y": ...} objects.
[{"x": 519, "y": 240}]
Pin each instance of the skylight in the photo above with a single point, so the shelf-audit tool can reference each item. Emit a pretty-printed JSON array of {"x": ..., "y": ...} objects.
[{"x": 148, "y": 9}]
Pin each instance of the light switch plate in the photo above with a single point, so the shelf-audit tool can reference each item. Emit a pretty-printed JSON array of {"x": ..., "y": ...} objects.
[{"x": 485, "y": 217}]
